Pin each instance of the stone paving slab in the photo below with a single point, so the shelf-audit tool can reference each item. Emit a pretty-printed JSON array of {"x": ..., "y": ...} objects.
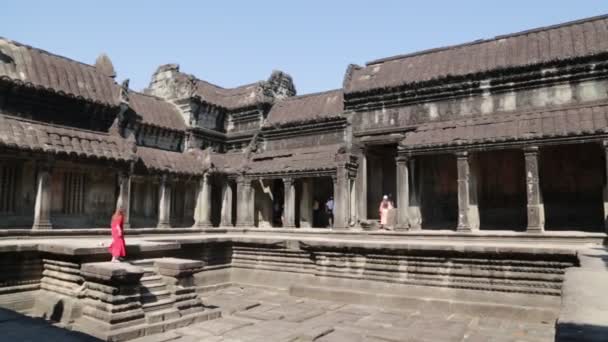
[{"x": 295, "y": 319}]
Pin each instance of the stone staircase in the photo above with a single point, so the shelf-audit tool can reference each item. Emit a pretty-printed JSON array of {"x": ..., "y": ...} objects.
[
  {"x": 156, "y": 299},
  {"x": 141, "y": 298}
]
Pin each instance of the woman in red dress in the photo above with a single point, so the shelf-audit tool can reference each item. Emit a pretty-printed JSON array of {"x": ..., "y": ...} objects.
[{"x": 117, "y": 247}]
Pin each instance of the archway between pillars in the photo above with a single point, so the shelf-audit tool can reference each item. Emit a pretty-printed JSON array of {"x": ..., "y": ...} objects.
[{"x": 572, "y": 180}]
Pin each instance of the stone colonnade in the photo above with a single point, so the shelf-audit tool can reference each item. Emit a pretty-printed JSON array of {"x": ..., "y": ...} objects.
[{"x": 408, "y": 194}]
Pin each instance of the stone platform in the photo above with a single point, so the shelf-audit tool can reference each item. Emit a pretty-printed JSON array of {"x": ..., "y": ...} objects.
[
  {"x": 254, "y": 314},
  {"x": 423, "y": 283}
]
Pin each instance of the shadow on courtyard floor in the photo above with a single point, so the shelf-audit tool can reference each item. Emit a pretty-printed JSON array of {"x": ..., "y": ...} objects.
[{"x": 16, "y": 327}]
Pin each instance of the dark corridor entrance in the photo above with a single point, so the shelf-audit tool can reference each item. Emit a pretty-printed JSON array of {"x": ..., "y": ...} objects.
[
  {"x": 572, "y": 180},
  {"x": 381, "y": 177}
]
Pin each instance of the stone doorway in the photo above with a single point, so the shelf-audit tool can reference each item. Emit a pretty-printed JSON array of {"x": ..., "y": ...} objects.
[
  {"x": 381, "y": 177},
  {"x": 438, "y": 191},
  {"x": 501, "y": 190},
  {"x": 572, "y": 180}
]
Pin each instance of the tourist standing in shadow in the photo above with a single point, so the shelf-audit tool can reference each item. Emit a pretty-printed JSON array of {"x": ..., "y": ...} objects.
[
  {"x": 385, "y": 206},
  {"x": 329, "y": 206},
  {"x": 117, "y": 247}
]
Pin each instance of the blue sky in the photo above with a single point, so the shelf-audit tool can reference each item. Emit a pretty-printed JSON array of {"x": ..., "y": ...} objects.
[{"x": 236, "y": 42}]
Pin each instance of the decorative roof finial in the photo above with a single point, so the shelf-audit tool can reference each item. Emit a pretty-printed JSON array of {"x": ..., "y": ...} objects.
[{"x": 104, "y": 64}]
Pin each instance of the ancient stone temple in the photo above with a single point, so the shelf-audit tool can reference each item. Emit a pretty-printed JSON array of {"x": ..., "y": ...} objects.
[{"x": 493, "y": 153}]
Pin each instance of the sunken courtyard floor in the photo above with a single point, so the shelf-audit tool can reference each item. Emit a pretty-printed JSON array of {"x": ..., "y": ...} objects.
[{"x": 256, "y": 314}]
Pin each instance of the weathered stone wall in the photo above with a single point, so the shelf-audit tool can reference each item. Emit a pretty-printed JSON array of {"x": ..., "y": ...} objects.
[
  {"x": 302, "y": 139},
  {"x": 159, "y": 138},
  {"x": 19, "y": 279},
  {"x": 18, "y": 187},
  {"x": 485, "y": 103},
  {"x": 90, "y": 200},
  {"x": 244, "y": 121}
]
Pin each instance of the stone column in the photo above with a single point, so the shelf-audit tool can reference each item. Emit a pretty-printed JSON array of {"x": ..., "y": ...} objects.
[
  {"x": 306, "y": 199},
  {"x": 244, "y": 203},
  {"x": 202, "y": 212},
  {"x": 289, "y": 213},
  {"x": 605, "y": 144},
  {"x": 42, "y": 208},
  {"x": 124, "y": 196},
  {"x": 164, "y": 206},
  {"x": 403, "y": 193},
  {"x": 535, "y": 206},
  {"x": 361, "y": 185},
  {"x": 414, "y": 202},
  {"x": 468, "y": 214},
  {"x": 341, "y": 199},
  {"x": 226, "y": 204}
]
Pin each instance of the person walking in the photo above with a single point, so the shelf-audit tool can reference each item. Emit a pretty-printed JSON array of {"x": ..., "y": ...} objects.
[{"x": 117, "y": 247}]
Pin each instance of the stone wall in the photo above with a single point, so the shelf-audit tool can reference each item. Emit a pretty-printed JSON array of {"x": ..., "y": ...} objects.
[
  {"x": 305, "y": 139},
  {"x": 18, "y": 194},
  {"x": 482, "y": 102}
]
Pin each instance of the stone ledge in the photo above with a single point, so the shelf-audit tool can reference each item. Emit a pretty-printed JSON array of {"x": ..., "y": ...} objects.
[
  {"x": 175, "y": 267},
  {"x": 112, "y": 272},
  {"x": 583, "y": 315}
]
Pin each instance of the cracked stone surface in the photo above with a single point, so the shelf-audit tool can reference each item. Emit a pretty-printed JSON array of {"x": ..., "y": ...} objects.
[{"x": 253, "y": 314}]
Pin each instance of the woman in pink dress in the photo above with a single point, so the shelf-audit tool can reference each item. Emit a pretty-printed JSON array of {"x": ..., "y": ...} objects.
[
  {"x": 385, "y": 206},
  {"x": 117, "y": 247}
]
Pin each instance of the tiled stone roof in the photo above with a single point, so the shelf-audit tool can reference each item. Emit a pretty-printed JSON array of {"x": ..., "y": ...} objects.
[
  {"x": 318, "y": 158},
  {"x": 35, "y": 136},
  {"x": 565, "y": 41},
  {"x": 190, "y": 163},
  {"x": 231, "y": 162},
  {"x": 574, "y": 121},
  {"x": 232, "y": 98},
  {"x": 307, "y": 107},
  {"x": 156, "y": 112},
  {"x": 28, "y": 66}
]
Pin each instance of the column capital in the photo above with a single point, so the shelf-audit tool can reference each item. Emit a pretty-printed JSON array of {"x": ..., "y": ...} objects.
[
  {"x": 288, "y": 180},
  {"x": 531, "y": 149},
  {"x": 462, "y": 154},
  {"x": 403, "y": 159}
]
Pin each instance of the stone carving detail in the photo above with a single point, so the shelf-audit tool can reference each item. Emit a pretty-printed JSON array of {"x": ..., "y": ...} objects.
[{"x": 124, "y": 91}]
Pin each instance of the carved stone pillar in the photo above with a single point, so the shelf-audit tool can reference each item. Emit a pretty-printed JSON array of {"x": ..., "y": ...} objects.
[
  {"x": 227, "y": 204},
  {"x": 605, "y": 144},
  {"x": 42, "y": 208},
  {"x": 164, "y": 204},
  {"x": 415, "y": 186},
  {"x": 341, "y": 199},
  {"x": 361, "y": 185},
  {"x": 306, "y": 214},
  {"x": 403, "y": 193},
  {"x": 124, "y": 196},
  {"x": 468, "y": 212},
  {"x": 290, "y": 203},
  {"x": 202, "y": 217},
  {"x": 244, "y": 210},
  {"x": 535, "y": 206}
]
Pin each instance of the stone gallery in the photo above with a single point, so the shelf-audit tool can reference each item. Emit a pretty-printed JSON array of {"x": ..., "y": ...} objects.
[{"x": 252, "y": 213}]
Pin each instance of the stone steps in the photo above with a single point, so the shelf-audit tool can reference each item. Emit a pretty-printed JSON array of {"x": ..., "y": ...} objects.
[
  {"x": 162, "y": 315},
  {"x": 158, "y": 305}
]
